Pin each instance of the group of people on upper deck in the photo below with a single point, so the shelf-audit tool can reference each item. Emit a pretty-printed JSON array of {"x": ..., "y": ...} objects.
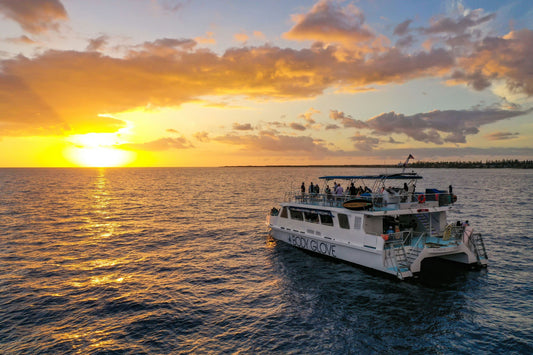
[{"x": 338, "y": 190}]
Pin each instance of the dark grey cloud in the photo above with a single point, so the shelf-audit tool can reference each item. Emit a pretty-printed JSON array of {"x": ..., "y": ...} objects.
[
  {"x": 97, "y": 44},
  {"x": 402, "y": 28},
  {"x": 365, "y": 143},
  {"x": 297, "y": 126},
  {"x": 242, "y": 126},
  {"x": 458, "y": 25},
  {"x": 345, "y": 120},
  {"x": 436, "y": 126}
]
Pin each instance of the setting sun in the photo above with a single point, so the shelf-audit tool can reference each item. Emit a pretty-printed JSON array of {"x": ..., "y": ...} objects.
[
  {"x": 96, "y": 150},
  {"x": 100, "y": 157}
]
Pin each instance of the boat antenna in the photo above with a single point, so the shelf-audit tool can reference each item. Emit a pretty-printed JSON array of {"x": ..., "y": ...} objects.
[{"x": 407, "y": 162}]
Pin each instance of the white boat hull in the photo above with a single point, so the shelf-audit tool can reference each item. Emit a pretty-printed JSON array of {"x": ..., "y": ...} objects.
[
  {"x": 371, "y": 256},
  {"x": 364, "y": 256}
]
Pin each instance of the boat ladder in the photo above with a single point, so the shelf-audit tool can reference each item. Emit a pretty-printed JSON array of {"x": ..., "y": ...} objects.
[
  {"x": 476, "y": 242},
  {"x": 403, "y": 259},
  {"x": 424, "y": 219}
]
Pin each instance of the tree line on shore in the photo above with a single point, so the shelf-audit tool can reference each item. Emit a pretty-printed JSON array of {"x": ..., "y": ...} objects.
[{"x": 488, "y": 164}]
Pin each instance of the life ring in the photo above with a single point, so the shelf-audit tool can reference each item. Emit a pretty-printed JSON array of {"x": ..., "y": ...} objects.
[{"x": 421, "y": 198}]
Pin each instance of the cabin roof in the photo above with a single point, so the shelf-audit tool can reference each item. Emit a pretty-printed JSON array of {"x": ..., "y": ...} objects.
[{"x": 401, "y": 176}]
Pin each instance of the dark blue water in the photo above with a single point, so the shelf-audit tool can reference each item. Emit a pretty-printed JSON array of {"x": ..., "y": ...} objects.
[{"x": 166, "y": 261}]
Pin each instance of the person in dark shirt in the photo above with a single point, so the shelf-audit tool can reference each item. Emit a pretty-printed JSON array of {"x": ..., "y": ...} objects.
[{"x": 353, "y": 191}]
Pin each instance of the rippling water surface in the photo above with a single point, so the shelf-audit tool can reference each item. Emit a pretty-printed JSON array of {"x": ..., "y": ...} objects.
[{"x": 178, "y": 261}]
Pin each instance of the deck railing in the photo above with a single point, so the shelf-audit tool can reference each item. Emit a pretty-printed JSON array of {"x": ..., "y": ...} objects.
[
  {"x": 379, "y": 201},
  {"x": 450, "y": 235}
]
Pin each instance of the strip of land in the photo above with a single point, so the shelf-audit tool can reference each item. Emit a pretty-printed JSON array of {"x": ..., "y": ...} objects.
[{"x": 489, "y": 164}]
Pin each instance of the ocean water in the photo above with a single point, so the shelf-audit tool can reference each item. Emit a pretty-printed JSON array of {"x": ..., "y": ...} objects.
[{"x": 178, "y": 261}]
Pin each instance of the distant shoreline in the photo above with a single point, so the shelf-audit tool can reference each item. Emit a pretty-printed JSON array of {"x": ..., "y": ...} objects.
[{"x": 499, "y": 164}]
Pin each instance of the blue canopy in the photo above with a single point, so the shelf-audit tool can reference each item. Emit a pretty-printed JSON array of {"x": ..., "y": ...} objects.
[{"x": 404, "y": 176}]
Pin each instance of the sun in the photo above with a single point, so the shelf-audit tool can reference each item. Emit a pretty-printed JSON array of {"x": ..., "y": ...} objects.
[
  {"x": 102, "y": 157},
  {"x": 96, "y": 150}
]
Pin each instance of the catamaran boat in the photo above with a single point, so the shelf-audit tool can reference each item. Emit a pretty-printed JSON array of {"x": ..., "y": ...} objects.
[{"x": 382, "y": 223}]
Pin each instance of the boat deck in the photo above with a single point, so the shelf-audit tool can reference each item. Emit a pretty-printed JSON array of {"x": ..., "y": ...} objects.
[{"x": 377, "y": 202}]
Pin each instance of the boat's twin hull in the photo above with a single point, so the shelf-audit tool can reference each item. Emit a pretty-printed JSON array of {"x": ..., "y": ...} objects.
[{"x": 371, "y": 257}]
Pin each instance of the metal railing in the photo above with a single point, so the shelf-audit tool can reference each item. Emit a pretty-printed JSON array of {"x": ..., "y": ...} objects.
[{"x": 379, "y": 201}]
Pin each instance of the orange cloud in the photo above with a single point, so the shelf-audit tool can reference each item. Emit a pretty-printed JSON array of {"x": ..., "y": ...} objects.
[
  {"x": 241, "y": 37},
  {"x": 206, "y": 40},
  {"x": 259, "y": 35},
  {"x": 308, "y": 116},
  {"x": 505, "y": 58},
  {"x": 34, "y": 16},
  {"x": 328, "y": 22},
  {"x": 67, "y": 90},
  {"x": 201, "y": 137}
]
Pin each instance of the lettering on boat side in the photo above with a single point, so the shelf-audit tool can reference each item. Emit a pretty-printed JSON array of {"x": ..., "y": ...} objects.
[{"x": 313, "y": 245}]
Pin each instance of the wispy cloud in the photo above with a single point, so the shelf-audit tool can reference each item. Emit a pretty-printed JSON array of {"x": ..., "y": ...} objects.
[
  {"x": 242, "y": 126},
  {"x": 297, "y": 126},
  {"x": 22, "y": 39},
  {"x": 165, "y": 143},
  {"x": 202, "y": 137},
  {"x": 499, "y": 136},
  {"x": 308, "y": 116},
  {"x": 268, "y": 141},
  {"x": 96, "y": 44}
]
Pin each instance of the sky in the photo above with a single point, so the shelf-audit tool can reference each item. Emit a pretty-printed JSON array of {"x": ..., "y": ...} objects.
[{"x": 214, "y": 83}]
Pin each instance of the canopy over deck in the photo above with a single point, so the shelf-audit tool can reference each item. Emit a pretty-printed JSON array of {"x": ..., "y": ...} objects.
[{"x": 401, "y": 176}]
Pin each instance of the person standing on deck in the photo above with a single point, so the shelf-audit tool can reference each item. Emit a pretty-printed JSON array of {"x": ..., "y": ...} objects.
[
  {"x": 303, "y": 189},
  {"x": 353, "y": 190}
]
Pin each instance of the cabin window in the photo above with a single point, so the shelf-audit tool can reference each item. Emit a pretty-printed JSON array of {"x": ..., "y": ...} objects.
[
  {"x": 311, "y": 217},
  {"x": 357, "y": 223},
  {"x": 297, "y": 215},
  {"x": 326, "y": 219},
  {"x": 283, "y": 212},
  {"x": 343, "y": 221}
]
